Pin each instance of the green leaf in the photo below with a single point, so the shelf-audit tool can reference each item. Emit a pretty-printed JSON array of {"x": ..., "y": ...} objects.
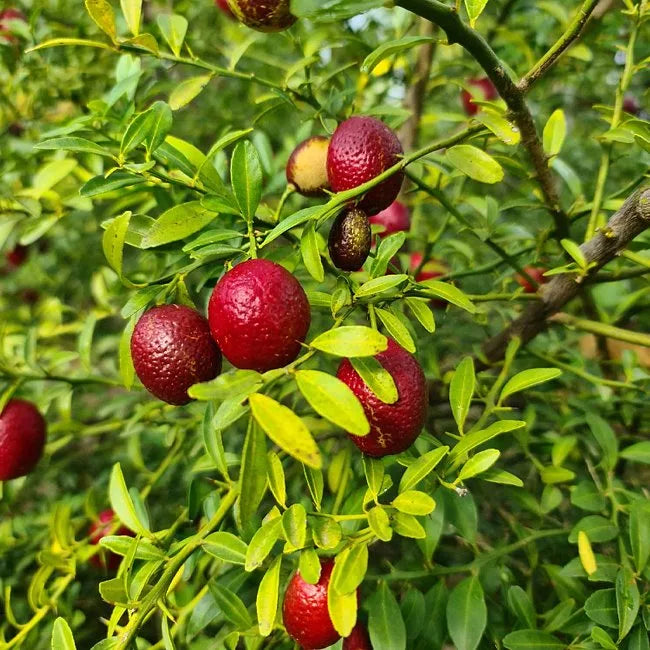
[
  {"x": 606, "y": 439},
  {"x": 350, "y": 568},
  {"x": 137, "y": 131},
  {"x": 522, "y": 606},
  {"x": 267, "y": 597},
  {"x": 285, "y": 429},
  {"x": 413, "y": 502},
  {"x": 231, "y": 605},
  {"x": 639, "y": 639},
  {"x": 252, "y": 475},
  {"x": 275, "y": 475},
  {"x": 408, "y": 526},
  {"x": 598, "y": 529},
  {"x": 448, "y": 292},
  {"x": 554, "y": 133},
  {"x": 127, "y": 371},
  {"x": 380, "y": 285},
  {"x": 640, "y": 533},
  {"x": 232, "y": 385},
  {"x": 499, "y": 125},
  {"x": 466, "y": 614},
  {"x": 246, "y": 178},
  {"x": 296, "y": 219},
  {"x": 396, "y": 329},
  {"x": 161, "y": 123},
  {"x": 100, "y": 185},
  {"x": 75, "y": 144},
  {"x": 477, "y": 438},
  {"x": 420, "y": 309},
  {"x": 309, "y": 566},
  {"x": 601, "y": 608},
  {"x": 474, "y": 9},
  {"x": 262, "y": 543},
  {"x": 132, "y": 9},
  {"x": 421, "y": 468},
  {"x": 226, "y": 546},
  {"x": 342, "y": 609},
  {"x": 494, "y": 475},
  {"x": 122, "y": 504},
  {"x": 602, "y": 638},
  {"x": 377, "y": 378},
  {"x": 373, "y": 468},
  {"x": 461, "y": 391},
  {"x": 315, "y": 484},
  {"x": 638, "y": 452},
  {"x": 294, "y": 525},
  {"x": 385, "y": 623},
  {"x": 311, "y": 253},
  {"x": 62, "y": 638},
  {"x": 474, "y": 163},
  {"x": 113, "y": 241},
  {"x": 351, "y": 341},
  {"x": 326, "y": 532},
  {"x": 178, "y": 222},
  {"x": 527, "y": 379},
  {"x": 575, "y": 252},
  {"x": 333, "y": 400},
  {"x": 479, "y": 463},
  {"x": 627, "y": 601},
  {"x": 102, "y": 14},
  {"x": 188, "y": 90},
  {"x": 532, "y": 640},
  {"x": 391, "y": 48},
  {"x": 379, "y": 523},
  {"x": 173, "y": 28},
  {"x": 123, "y": 545}
]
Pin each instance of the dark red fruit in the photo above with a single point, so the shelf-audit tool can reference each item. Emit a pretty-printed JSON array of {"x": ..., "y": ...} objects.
[
  {"x": 305, "y": 614},
  {"x": 6, "y": 16},
  {"x": 349, "y": 240},
  {"x": 16, "y": 129},
  {"x": 17, "y": 256},
  {"x": 361, "y": 149},
  {"x": 259, "y": 315},
  {"x": 483, "y": 90},
  {"x": 172, "y": 349},
  {"x": 225, "y": 8},
  {"x": 102, "y": 528},
  {"x": 431, "y": 270},
  {"x": 263, "y": 15},
  {"x": 395, "y": 218},
  {"x": 307, "y": 166},
  {"x": 536, "y": 274},
  {"x": 358, "y": 639},
  {"x": 631, "y": 104},
  {"x": 393, "y": 427},
  {"x": 22, "y": 438}
]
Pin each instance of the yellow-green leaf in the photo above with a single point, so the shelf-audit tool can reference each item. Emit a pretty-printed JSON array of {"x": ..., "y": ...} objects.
[{"x": 475, "y": 163}]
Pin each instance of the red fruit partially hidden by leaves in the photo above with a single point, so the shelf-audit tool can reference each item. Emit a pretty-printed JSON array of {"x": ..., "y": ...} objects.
[
  {"x": 17, "y": 256},
  {"x": 225, "y": 8},
  {"x": 304, "y": 611},
  {"x": 6, "y": 16},
  {"x": 393, "y": 427},
  {"x": 631, "y": 104},
  {"x": 361, "y": 149},
  {"x": 358, "y": 639},
  {"x": 172, "y": 349},
  {"x": 395, "y": 218},
  {"x": 259, "y": 315},
  {"x": 263, "y": 15},
  {"x": 22, "y": 438},
  {"x": 430, "y": 271},
  {"x": 536, "y": 274},
  {"x": 482, "y": 90},
  {"x": 104, "y": 526},
  {"x": 307, "y": 166}
]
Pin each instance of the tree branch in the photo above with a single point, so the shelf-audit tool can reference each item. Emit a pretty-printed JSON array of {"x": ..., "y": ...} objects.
[{"x": 626, "y": 224}]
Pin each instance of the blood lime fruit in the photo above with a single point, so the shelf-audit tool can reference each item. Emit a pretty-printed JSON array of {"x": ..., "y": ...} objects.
[
  {"x": 393, "y": 427},
  {"x": 225, "y": 8},
  {"x": 101, "y": 528},
  {"x": 304, "y": 612},
  {"x": 430, "y": 271},
  {"x": 358, "y": 639},
  {"x": 172, "y": 349},
  {"x": 17, "y": 256},
  {"x": 22, "y": 438},
  {"x": 349, "y": 240},
  {"x": 7, "y": 15},
  {"x": 536, "y": 273},
  {"x": 259, "y": 315},
  {"x": 395, "y": 218},
  {"x": 361, "y": 148},
  {"x": 263, "y": 15},
  {"x": 307, "y": 166},
  {"x": 482, "y": 90}
]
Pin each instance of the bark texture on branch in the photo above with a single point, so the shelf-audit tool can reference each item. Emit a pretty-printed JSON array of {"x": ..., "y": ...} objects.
[{"x": 631, "y": 220}]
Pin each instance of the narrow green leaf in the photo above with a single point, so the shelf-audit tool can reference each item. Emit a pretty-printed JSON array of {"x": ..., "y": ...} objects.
[
  {"x": 177, "y": 223},
  {"x": 350, "y": 568},
  {"x": 628, "y": 601},
  {"x": 474, "y": 163},
  {"x": 173, "y": 28},
  {"x": 62, "y": 638},
  {"x": 231, "y": 605},
  {"x": 385, "y": 623},
  {"x": 638, "y": 452},
  {"x": 246, "y": 178},
  {"x": 351, "y": 341},
  {"x": 461, "y": 391},
  {"x": 102, "y": 14},
  {"x": 396, "y": 329},
  {"x": 554, "y": 133},
  {"x": 267, "y": 597},
  {"x": 413, "y": 502},
  {"x": 252, "y": 475},
  {"x": 75, "y": 144},
  {"x": 262, "y": 543},
  {"x": 226, "y": 546},
  {"x": 377, "y": 378},
  {"x": 527, "y": 379},
  {"x": 421, "y": 468},
  {"x": 479, "y": 463},
  {"x": 532, "y": 640},
  {"x": 311, "y": 253},
  {"x": 122, "y": 503},
  {"x": 294, "y": 525},
  {"x": 420, "y": 309},
  {"x": 467, "y": 614},
  {"x": 392, "y": 48},
  {"x": 448, "y": 292},
  {"x": 474, "y": 9},
  {"x": 132, "y": 9}
]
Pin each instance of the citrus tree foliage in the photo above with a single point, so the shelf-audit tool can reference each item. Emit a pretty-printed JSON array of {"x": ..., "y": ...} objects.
[{"x": 143, "y": 154}]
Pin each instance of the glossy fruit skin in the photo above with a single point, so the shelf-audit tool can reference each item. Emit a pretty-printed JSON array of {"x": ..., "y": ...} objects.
[
  {"x": 225, "y": 8},
  {"x": 431, "y": 270},
  {"x": 172, "y": 349},
  {"x": 361, "y": 148},
  {"x": 263, "y": 15},
  {"x": 393, "y": 427},
  {"x": 259, "y": 315},
  {"x": 536, "y": 273},
  {"x": 17, "y": 256},
  {"x": 307, "y": 166},
  {"x": 304, "y": 611},
  {"x": 100, "y": 529},
  {"x": 358, "y": 639},
  {"x": 485, "y": 91},
  {"x": 395, "y": 218},
  {"x": 349, "y": 240},
  {"x": 22, "y": 438}
]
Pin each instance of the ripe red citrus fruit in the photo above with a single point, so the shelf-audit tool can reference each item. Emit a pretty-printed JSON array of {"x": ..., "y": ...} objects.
[
  {"x": 482, "y": 90},
  {"x": 22, "y": 438},
  {"x": 536, "y": 273},
  {"x": 17, "y": 256},
  {"x": 431, "y": 270},
  {"x": 358, "y": 639},
  {"x": 259, "y": 315},
  {"x": 631, "y": 104},
  {"x": 393, "y": 427},
  {"x": 361, "y": 149},
  {"x": 263, "y": 15},
  {"x": 304, "y": 611},
  {"x": 7, "y": 15},
  {"x": 349, "y": 240},
  {"x": 395, "y": 218},
  {"x": 307, "y": 166},
  {"x": 100, "y": 529},
  {"x": 172, "y": 349}
]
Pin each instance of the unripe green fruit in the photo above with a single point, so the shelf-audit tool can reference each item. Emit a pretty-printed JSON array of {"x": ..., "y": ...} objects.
[
  {"x": 349, "y": 240},
  {"x": 263, "y": 15}
]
